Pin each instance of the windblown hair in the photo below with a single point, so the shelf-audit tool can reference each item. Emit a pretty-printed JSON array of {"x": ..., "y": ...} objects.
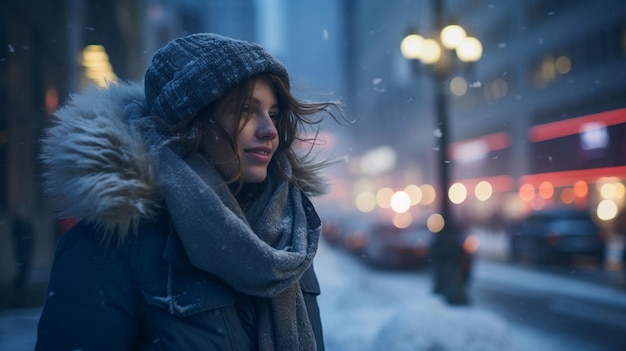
[{"x": 295, "y": 120}]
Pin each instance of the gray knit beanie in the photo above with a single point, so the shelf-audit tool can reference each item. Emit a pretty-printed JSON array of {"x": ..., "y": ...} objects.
[{"x": 190, "y": 72}]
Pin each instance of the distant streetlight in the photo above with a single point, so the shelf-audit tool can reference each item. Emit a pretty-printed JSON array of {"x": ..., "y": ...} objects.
[
  {"x": 449, "y": 258},
  {"x": 429, "y": 51},
  {"x": 411, "y": 46}
]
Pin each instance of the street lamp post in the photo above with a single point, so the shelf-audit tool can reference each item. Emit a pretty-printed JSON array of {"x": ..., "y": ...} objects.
[{"x": 450, "y": 262}]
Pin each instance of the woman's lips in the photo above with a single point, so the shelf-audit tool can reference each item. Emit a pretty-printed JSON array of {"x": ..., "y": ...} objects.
[{"x": 262, "y": 154}]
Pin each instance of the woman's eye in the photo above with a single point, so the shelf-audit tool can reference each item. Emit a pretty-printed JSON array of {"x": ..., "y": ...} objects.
[{"x": 275, "y": 117}]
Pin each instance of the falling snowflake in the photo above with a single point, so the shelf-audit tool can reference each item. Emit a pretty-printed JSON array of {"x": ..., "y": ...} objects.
[{"x": 376, "y": 82}]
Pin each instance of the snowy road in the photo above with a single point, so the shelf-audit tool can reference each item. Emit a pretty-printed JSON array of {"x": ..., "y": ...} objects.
[{"x": 363, "y": 309}]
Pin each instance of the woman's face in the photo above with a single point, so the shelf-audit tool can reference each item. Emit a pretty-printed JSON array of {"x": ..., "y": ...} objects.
[{"x": 257, "y": 140}]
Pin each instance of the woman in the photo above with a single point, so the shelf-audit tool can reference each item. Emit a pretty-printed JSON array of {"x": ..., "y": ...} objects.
[{"x": 196, "y": 230}]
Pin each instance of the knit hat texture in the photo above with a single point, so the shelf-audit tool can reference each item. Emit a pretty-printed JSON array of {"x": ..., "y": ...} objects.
[{"x": 190, "y": 72}]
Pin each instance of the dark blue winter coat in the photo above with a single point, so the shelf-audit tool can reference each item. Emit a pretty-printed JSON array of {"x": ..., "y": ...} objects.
[{"x": 144, "y": 295}]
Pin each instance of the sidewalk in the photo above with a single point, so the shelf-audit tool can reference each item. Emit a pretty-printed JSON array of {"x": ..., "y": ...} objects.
[
  {"x": 19, "y": 313},
  {"x": 18, "y": 329}
]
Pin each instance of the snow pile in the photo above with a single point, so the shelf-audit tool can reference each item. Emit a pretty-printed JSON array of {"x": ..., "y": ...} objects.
[
  {"x": 431, "y": 325},
  {"x": 372, "y": 310}
]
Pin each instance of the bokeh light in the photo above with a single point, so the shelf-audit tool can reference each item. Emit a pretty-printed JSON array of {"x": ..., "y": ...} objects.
[
  {"x": 471, "y": 244},
  {"x": 567, "y": 196},
  {"x": 546, "y": 190},
  {"x": 607, "y": 210},
  {"x": 452, "y": 35},
  {"x": 431, "y": 51},
  {"x": 98, "y": 68},
  {"x": 366, "y": 201},
  {"x": 458, "y": 86},
  {"x": 563, "y": 64},
  {"x": 469, "y": 50},
  {"x": 581, "y": 189},
  {"x": 412, "y": 46},
  {"x": 435, "y": 222},
  {"x": 457, "y": 193},
  {"x": 620, "y": 190},
  {"x": 612, "y": 190},
  {"x": 402, "y": 220},
  {"x": 607, "y": 191},
  {"x": 415, "y": 193},
  {"x": 400, "y": 202},
  {"x": 527, "y": 192},
  {"x": 428, "y": 194},
  {"x": 383, "y": 197},
  {"x": 483, "y": 190}
]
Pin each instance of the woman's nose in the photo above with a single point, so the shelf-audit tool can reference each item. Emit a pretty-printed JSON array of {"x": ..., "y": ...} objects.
[{"x": 267, "y": 128}]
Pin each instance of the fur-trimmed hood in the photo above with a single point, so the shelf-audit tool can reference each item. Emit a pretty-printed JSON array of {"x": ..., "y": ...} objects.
[
  {"x": 96, "y": 167},
  {"x": 100, "y": 169}
]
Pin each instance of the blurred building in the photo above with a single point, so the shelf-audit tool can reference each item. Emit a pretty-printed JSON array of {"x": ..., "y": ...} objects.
[
  {"x": 538, "y": 121},
  {"x": 50, "y": 49}
]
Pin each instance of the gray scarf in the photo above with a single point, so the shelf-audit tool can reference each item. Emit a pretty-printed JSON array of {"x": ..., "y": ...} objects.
[{"x": 263, "y": 252}]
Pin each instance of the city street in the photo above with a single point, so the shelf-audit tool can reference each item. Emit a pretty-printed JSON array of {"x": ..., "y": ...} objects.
[
  {"x": 513, "y": 308},
  {"x": 584, "y": 311},
  {"x": 526, "y": 308},
  {"x": 443, "y": 144},
  {"x": 588, "y": 324}
]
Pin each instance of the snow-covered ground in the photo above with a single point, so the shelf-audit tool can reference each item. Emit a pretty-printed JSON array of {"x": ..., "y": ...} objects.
[
  {"x": 371, "y": 310},
  {"x": 368, "y": 310}
]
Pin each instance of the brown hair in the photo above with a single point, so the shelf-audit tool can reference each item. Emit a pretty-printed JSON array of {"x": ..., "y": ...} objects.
[{"x": 294, "y": 120}]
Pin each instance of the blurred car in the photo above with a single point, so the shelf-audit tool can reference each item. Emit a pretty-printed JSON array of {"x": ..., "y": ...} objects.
[
  {"x": 556, "y": 233},
  {"x": 332, "y": 232},
  {"x": 391, "y": 247},
  {"x": 350, "y": 232}
]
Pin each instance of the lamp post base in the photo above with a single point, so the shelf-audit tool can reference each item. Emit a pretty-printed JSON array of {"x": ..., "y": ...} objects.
[{"x": 451, "y": 267}]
